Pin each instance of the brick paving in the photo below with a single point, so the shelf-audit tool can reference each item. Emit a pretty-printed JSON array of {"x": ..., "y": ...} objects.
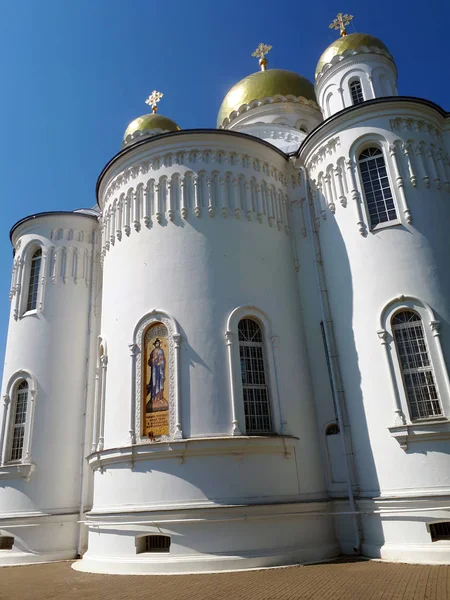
[{"x": 355, "y": 580}]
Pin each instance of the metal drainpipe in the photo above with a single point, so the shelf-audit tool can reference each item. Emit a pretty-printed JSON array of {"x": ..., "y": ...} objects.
[
  {"x": 334, "y": 369},
  {"x": 86, "y": 396}
]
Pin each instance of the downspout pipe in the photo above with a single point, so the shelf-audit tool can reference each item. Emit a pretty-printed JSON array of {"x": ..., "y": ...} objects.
[{"x": 334, "y": 368}]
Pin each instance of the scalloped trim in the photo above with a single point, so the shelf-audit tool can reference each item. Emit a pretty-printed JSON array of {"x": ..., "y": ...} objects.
[
  {"x": 340, "y": 57},
  {"x": 267, "y": 100},
  {"x": 132, "y": 137}
]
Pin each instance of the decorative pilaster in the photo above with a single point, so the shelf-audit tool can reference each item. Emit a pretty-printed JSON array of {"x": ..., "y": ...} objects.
[
  {"x": 338, "y": 178},
  {"x": 407, "y": 147},
  {"x": 398, "y": 412},
  {"x": 432, "y": 164},
  {"x": 127, "y": 226},
  {"x": 43, "y": 282},
  {"x": 136, "y": 209},
  {"x": 230, "y": 339},
  {"x": 158, "y": 201},
  {"x": 29, "y": 433},
  {"x": 356, "y": 196},
  {"x": 421, "y": 164},
  {"x": 237, "y": 199},
  {"x": 209, "y": 195},
  {"x": 145, "y": 206},
  {"x": 96, "y": 407},
  {"x": 183, "y": 198},
  {"x": 132, "y": 431},
  {"x": 259, "y": 204},
  {"x": 171, "y": 199},
  {"x": 329, "y": 194},
  {"x": 436, "y": 330},
  {"x": 3, "y": 440},
  {"x": 103, "y": 367},
  {"x": 178, "y": 433},
  {"x": 275, "y": 345},
  {"x": 400, "y": 184},
  {"x": 197, "y": 209},
  {"x": 18, "y": 289}
]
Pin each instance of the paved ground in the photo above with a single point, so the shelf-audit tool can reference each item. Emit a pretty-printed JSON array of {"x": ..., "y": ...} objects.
[{"x": 363, "y": 580}]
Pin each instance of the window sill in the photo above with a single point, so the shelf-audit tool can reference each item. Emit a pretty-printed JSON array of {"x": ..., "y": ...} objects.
[
  {"x": 16, "y": 470},
  {"x": 385, "y": 225},
  {"x": 421, "y": 431},
  {"x": 29, "y": 313}
]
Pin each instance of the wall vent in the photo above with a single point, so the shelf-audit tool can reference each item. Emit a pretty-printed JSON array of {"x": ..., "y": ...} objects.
[
  {"x": 6, "y": 542},
  {"x": 153, "y": 543},
  {"x": 440, "y": 531}
]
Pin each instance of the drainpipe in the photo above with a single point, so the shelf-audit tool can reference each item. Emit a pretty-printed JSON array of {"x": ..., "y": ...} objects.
[{"x": 336, "y": 387}]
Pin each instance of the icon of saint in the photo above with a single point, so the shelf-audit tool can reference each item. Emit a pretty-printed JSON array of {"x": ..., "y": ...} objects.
[{"x": 155, "y": 387}]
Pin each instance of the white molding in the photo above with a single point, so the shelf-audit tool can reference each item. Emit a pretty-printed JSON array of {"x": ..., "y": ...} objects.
[{"x": 194, "y": 447}]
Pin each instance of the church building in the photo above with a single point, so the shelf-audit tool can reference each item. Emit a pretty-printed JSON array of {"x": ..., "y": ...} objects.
[{"x": 240, "y": 358}]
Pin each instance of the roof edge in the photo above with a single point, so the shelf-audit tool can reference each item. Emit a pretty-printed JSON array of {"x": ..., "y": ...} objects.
[{"x": 46, "y": 214}]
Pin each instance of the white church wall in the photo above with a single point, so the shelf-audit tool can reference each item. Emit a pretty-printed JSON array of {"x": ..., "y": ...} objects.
[
  {"x": 174, "y": 265},
  {"x": 49, "y": 346},
  {"x": 365, "y": 269}
]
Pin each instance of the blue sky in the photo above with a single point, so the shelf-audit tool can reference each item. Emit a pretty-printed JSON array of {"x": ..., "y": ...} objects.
[{"x": 76, "y": 72}]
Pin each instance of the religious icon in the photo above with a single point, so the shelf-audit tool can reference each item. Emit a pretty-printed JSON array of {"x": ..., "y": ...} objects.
[
  {"x": 155, "y": 381},
  {"x": 155, "y": 387}
]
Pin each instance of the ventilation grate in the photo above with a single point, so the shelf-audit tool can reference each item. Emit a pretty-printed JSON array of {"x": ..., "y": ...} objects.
[
  {"x": 6, "y": 542},
  {"x": 153, "y": 543},
  {"x": 440, "y": 531}
]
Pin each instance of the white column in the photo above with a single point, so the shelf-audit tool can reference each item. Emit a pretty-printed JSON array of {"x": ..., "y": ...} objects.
[
  {"x": 421, "y": 165},
  {"x": 230, "y": 337},
  {"x": 103, "y": 366},
  {"x": 248, "y": 200},
  {"x": 210, "y": 198},
  {"x": 19, "y": 287},
  {"x": 96, "y": 408},
  {"x": 400, "y": 184},
  {"x": 338, "y": 177},
  {"x": 435, "y": 328},
  {"x": 237, "y": 198},
  {"x": 183, "y": 197},
  {"x": 178, "y": 433},
  {"x": 158, "y": 201},
  {"x": 4, "y": 441},
  {"x": 30, "y": 418},
  {"x": 119, "y": 220},
  {"x": 132, "y": 431},
  {"x": 259, "y": 203},
  {"x": 145, "y": 207},
  {"x": 398, "y": 412},
  {"x": 197, "y": 210},
  {"x": 433, "y": 168},
  {"x": 407, "y": 153},
  {"x": 356, "y": 197},
  {"x": 136, "y": 209},
  {"x": 329, "y": 194},
  {"x": 43, "y": 277},
  {"x": 171, "y": 199},
  {"x": 127, "y": 227}
]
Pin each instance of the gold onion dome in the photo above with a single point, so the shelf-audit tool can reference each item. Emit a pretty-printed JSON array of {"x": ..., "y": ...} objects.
[
  {"x": 351, "y": 43},
  {"x": 265, "y": 84},
  {"x": 150, "y": 124}
]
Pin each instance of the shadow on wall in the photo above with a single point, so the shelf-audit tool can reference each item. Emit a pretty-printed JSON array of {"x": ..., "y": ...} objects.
[{"x": 339, "y": 282}]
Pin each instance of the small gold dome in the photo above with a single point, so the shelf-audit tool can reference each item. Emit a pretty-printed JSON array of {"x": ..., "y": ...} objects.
[
  {"x": 353, "y": 41},
  {"x": 150, "y": 122},
  {"x": 265, "y": 84}
]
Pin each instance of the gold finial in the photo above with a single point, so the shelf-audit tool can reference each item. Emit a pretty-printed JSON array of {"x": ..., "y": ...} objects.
[
  {"x": 341, "y": 22},
  {"x": 260, "y": 53},
  {"x": 153, "y": 99}
]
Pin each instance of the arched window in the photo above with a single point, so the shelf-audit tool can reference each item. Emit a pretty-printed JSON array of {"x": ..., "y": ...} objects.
[
  {"x": 18, "y": 424},
  {"x": 258, "y": 418},
  {"x": 356, "y": 92},
  {"x": 380, "y": 202},
  {"x": 34, "y": 280},
  {"x": 415, "y": 365}
]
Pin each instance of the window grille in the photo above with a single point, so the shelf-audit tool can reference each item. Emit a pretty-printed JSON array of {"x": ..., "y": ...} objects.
[
  {"x": 415, "y": 364},
  {"x": 18, "y": 426},
  {"x": 34, "y": 280},
  {"x": 356, "y": 92},
  {"x": 380, "y": 202},
  {"x": 258, "y": 419},
  {"x": 153, "y": 543},
  {"x": 6, "y": 542},
  {"x": 440, "y": 531}
]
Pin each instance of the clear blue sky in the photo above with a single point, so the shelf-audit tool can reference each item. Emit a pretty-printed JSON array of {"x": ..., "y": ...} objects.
[{"x": 76, "y": 72}]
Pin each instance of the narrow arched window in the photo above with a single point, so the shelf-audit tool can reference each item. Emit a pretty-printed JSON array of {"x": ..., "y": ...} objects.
[
  {"x": 18, "y": 424},
  {"x": 380, "y": 202},
  {"x": 415, "y": 365},
  {"x": 34, "y": 280},
  {"x": 258, "y": 418},
  {"x": 356, "y": 92}
]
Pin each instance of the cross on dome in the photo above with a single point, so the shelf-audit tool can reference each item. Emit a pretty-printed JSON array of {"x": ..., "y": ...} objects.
[
  {"x": 260, "y": 53},
  {"x": 153, "y": 99},
  {"x": 341, "y": 22}
]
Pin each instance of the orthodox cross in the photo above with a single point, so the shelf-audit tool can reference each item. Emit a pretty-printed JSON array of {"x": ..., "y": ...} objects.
[
  {"x": 260, "y": 53},
  {"x": 153, "y": 99},
  {"x": 341, "y": 22}
]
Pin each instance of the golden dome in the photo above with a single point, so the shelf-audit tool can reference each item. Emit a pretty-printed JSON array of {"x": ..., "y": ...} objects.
[
  {"x": 353, "y": 41},
  {"x": 149, "y": 122},
  {"x": 265, "y": 84}
]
